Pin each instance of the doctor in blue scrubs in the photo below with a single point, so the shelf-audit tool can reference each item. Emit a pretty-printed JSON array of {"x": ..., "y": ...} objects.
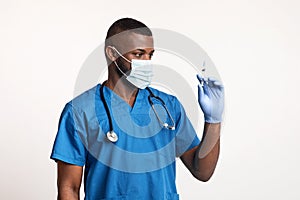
[{"x": 122, "y": 137}]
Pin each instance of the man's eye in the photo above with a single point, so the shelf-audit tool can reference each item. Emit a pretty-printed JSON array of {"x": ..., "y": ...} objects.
[{"x": 138, "y": 54}]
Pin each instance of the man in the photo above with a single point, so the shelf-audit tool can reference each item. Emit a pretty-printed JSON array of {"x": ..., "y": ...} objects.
[{"x": 126, "y": 134}]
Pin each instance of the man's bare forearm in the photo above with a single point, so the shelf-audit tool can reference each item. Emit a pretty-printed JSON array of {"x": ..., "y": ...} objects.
[
  {"x": 68, "y": 194},
  {"x": 207, "y": 154},
  {"x": 68, "y": 181}
]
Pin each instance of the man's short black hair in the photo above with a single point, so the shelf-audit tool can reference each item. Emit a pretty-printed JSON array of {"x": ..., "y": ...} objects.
[{"x": 127, "y": 24}]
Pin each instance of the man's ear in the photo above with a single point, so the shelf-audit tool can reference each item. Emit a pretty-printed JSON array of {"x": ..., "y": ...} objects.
[{"x": 111, "y": 53}]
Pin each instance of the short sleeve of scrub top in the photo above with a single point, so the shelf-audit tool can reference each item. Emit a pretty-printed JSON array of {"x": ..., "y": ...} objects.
[
  {"x": 186, "y": 137},
  {"x": 68, "y": 146}
]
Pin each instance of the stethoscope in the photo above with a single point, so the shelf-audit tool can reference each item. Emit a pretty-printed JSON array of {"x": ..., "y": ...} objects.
[{"x": 113, "y": 137}]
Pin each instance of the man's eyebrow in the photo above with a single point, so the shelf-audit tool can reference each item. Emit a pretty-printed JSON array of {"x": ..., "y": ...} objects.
[{"x": 142, "y": 50}]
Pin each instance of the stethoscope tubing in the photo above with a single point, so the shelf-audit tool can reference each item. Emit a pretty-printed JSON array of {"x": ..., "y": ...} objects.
[{"x": 112, "y": 136}]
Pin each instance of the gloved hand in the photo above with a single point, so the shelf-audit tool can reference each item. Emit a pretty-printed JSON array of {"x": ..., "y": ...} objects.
[{"x": 211, "y": 99}]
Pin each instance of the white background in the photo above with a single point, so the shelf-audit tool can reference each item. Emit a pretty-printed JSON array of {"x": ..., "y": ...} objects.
[{"x": 254, "y": 44}]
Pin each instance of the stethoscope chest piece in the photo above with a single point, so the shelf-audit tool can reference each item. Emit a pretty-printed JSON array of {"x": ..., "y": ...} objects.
[{"x": 112, "y": 136}]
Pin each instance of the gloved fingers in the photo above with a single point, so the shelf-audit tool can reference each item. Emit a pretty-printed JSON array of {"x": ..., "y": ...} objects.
[
  {"x": 217, "y": 91},
  {"x": 201, "y": 79},
  {"x": 214, "y": 82},
  {"x": 218, "y": 94},
  {"x": 200, "y": 91},
  {"x": 210, "y": 87},
  {"x": 206, "y": 89},
  {"x": 216, "y": 88},
  {"x": 213, "y": 91},
  {"x": 217, "y": 83},
  {"x": 212, "y": 79}
]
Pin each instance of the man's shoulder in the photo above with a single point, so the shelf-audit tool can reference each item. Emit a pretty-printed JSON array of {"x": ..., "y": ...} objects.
[{"x": 86, "y": 98}]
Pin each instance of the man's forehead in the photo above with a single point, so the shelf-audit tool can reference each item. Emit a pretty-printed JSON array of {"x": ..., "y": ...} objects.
[{"x": 128, "y": 41}]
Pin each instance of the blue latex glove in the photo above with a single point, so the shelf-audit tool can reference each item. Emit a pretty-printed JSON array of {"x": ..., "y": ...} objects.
[{"x": 211, "y": 99}]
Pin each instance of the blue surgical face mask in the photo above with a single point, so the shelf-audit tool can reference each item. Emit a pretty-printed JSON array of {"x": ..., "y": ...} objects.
[{"x": 141, "y": 71}]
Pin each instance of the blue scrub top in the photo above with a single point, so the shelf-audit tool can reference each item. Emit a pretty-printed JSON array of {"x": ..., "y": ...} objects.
[{"x": 141, "y": 164}]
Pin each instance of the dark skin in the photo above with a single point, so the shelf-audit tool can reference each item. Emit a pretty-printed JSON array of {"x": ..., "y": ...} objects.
[{"x": 201, "y": 161}]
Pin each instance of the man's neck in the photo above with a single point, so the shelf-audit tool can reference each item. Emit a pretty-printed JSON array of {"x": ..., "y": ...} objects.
[{"x": 123, "y": 89}]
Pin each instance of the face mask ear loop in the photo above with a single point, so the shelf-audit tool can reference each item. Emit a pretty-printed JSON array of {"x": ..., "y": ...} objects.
[{"x": 114, "y": 48}]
